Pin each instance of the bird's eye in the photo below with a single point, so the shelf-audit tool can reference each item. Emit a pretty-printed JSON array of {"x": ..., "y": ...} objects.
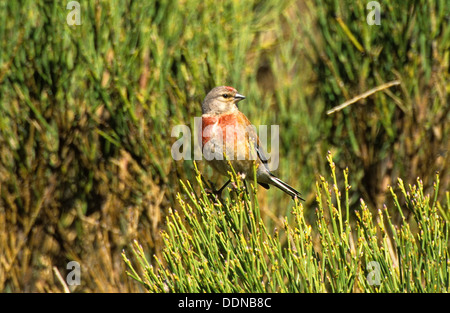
[{"x": 225, "y": 95}]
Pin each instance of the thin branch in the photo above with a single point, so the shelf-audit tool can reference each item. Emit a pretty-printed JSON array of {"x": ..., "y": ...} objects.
[
  {"x": 61, "y": 279},
  {"x": 363, "y": 96}
]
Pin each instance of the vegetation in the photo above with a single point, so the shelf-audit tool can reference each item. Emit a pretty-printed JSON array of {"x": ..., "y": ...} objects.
[
  {"x": 86, "y": 113},
  {"x": 225, "y": 247}
]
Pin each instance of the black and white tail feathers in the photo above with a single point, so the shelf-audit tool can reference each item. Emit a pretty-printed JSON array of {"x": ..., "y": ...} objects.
[{"x": 275, "y": 181}]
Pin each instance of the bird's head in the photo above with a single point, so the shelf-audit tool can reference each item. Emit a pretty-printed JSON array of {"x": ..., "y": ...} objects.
[{"x": 222, "y": 99}]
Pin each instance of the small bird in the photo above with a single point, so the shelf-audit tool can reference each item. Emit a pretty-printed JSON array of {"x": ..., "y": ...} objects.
[{"x": 227, "y": 135}]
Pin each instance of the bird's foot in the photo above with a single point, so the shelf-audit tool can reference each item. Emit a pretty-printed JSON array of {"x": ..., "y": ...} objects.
[{"x": 211, "y": 191}]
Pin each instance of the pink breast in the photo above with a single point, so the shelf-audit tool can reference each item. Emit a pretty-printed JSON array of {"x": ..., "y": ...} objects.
[{"x": 224, "y": 121}]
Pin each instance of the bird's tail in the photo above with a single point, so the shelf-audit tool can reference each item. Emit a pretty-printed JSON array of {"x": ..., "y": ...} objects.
[{"x": 285, "y": 187}]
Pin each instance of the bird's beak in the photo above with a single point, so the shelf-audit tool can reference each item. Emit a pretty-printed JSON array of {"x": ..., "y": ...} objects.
[{"x": 238, "y": 97}]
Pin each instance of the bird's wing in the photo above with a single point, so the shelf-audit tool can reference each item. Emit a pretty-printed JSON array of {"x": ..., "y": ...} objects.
[{"x": 255, "y": 143}]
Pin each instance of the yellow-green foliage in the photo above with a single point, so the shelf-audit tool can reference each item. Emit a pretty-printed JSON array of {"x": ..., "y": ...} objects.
[{"x": 210, "y": 246}]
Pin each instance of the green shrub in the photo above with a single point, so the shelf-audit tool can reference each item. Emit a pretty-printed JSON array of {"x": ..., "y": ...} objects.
[
  {"x": 86, "y": 114},
  {"x": 215, "y": 246}
]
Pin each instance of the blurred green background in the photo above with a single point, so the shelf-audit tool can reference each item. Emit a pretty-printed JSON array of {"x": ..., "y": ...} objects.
[{"x": 86, "y": 113}]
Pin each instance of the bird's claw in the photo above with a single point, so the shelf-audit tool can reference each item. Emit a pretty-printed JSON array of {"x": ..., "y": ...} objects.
[{"x": 211, "y": 191}]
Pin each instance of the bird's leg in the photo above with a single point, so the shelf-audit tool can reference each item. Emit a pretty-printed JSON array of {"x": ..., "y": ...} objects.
[
  {"x": 223, "y": 187},
  {"x": 207, "y": 184},
  {"x": 211, "y": 190}
]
